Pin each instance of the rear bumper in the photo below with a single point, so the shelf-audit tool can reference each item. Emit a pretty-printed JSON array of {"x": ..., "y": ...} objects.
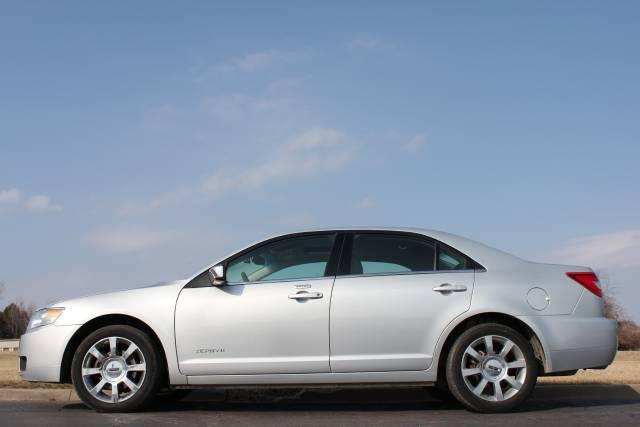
[
  {"x": 572, "y": 342},
  {"x": 41, "y": 352}
]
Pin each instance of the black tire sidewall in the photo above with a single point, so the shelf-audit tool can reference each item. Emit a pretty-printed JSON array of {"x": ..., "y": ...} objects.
[
  {"x": 454, "y": 375},
  {"x": 150, "y": 385}
]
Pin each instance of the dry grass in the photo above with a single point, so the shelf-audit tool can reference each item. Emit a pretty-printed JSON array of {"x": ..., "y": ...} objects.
[{"x": 624, "y": 370}]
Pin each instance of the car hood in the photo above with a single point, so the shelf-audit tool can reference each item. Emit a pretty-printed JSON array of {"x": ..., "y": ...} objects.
[
  {"x": 138, "y": 302},
  {"x": 67, "y": 301}
]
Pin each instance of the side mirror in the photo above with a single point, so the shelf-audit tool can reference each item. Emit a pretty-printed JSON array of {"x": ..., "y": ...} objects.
[{"x": 216, "y": 275}]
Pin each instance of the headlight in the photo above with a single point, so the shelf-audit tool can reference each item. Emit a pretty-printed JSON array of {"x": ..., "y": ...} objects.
[{"x": 43, "y": 317}]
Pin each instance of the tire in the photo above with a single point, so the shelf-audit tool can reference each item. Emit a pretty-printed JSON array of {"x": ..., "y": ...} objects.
[
  {"x": 500, "y": 369},
  {"x": 134, "y": 369}
]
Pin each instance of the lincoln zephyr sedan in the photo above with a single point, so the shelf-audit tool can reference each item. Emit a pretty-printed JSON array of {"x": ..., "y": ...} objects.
[{"x": 334, "y": 307}]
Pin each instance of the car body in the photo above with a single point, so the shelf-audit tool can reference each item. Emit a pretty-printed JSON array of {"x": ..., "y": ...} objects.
[{"x": 338, "y": 307}]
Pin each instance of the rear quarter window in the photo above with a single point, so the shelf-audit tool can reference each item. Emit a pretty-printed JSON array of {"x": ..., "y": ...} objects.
[{"x": 451, "y": 259}]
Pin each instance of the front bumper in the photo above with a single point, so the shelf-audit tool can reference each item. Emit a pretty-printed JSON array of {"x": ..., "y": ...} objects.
[
  {"x": 41, "y": 352},
  {"x": 573, "y": 342}
]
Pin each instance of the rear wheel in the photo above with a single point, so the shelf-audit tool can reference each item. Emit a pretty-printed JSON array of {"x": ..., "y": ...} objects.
[
  {"x": 115, "y": 369},
  {"x": 491, "y": 368}
]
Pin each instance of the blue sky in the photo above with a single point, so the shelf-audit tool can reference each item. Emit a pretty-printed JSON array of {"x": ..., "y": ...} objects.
[{"x": 141, "y": 141}]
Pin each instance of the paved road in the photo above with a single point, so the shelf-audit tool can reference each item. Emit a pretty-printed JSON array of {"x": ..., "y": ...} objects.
[{"x": 614, "y": 405}]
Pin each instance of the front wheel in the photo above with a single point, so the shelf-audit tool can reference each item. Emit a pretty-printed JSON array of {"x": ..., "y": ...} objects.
[
  {"x": 491, "y": 368},
  {"x": 115, "y": 369}
]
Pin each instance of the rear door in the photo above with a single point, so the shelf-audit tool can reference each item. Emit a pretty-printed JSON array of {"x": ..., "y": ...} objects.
[{"x": 395, "y": 295}]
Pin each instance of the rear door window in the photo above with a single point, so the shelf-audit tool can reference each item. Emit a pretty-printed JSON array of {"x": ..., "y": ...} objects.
[{"x": 390, "y": 253}]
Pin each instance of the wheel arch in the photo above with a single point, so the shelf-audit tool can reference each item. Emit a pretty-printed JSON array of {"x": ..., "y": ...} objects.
[
  {"x": 99, "y": 322},
  {"x": 494, "y": 317}
]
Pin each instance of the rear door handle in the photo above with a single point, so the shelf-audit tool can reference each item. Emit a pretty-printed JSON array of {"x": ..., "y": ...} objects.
[
  {"x": 448, "y": 287},
  {"x": 306, "y": 295}
]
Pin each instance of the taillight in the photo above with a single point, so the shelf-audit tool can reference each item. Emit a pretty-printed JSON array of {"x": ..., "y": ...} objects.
[{"x": 589, "y": 280}]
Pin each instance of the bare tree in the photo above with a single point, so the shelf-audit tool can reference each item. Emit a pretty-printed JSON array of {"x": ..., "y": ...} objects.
[
  {"x": 628, "y": 330},
  {"x": 15, "y": 319},
  {"x": 612, "y": 309}
]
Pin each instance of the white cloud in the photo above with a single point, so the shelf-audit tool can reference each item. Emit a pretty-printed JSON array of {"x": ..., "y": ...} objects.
[
  {"x": 366, "y": 42},
  {"x": 9, "y": 197},
  {"x": 416, "y": 143},
  {"x": 261, "y": 60},
  {"x": 159, "y": 201},
  {"x": 611, "y": 250},
  {"x": 238, "y": 106},
  {"x": 284, "y": 85},
  {"x": 364, "y": 203},
  {"x": 41, "y": 204},
  {"x": 129, "y": 239},
  {"x": 315, "y": 151},
  {"x": 37, "y": 203}
]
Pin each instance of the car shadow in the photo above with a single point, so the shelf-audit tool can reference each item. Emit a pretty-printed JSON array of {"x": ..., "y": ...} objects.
[{"x": 547, "y": 397}]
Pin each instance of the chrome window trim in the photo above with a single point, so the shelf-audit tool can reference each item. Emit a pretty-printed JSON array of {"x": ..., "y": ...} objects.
[
  {"x": 402, "y": 273},
  {"x": 256, "y": 282},
  {"x": 407, "y": 273}
]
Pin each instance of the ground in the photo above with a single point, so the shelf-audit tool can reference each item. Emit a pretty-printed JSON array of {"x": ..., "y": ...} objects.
[{"x": 551, "y": 405}]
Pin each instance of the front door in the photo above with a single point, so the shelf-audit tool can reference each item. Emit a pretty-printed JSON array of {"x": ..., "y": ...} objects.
[
  {"x": 397, "y": 295},
  {"x": 271, "y": 317}
]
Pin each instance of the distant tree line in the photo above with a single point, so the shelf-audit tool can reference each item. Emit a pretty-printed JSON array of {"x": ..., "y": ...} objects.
[{"x": 14, "y": 319}]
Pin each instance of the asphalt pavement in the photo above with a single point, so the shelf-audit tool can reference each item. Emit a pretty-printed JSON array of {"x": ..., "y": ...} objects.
[{"x": 557, "y": 405}]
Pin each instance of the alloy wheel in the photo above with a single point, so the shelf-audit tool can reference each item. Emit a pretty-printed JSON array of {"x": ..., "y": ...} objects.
[
  {"x": 494, "y": 368},
  {"x": 113, "y": 369}
]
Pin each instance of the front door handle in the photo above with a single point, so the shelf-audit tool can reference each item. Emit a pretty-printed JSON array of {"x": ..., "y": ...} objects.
[
  {"x": 448, "y": 287},
  {"x": 306, "y": 295}
]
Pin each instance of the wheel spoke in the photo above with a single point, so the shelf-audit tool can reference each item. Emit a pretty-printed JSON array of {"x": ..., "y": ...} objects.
[
  {"x": 97, "y": 354},
  {"x": 137, "y": 367},
  {"x": 90, "y": 371},
  {"x": 517, "y": 364},
  {"x": 488, "y": 343},
  {"x": 114, "y": 393},
  {"x": 473, "y": 353},
  {"x": 98, "y": 387},
  {"x": 130, "y": 350},
  {"x": 107, "y": 375},
  {"x": 480, "y": 387},
  {"x": 471, "y": 371},
  {"x": 506, "y": 349},
  {"x": 132, "y": 386},
  {"x": 496, "y": 359},
  {"x": 497, "y": 391},
  {"x": 512, "y": 382}
]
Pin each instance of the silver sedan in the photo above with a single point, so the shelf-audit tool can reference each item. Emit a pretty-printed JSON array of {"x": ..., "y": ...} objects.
[{"x": 339, "y": 307}]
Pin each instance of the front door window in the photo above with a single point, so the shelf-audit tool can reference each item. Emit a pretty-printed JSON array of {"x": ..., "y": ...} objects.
[{"x": 303, "y": 257}]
